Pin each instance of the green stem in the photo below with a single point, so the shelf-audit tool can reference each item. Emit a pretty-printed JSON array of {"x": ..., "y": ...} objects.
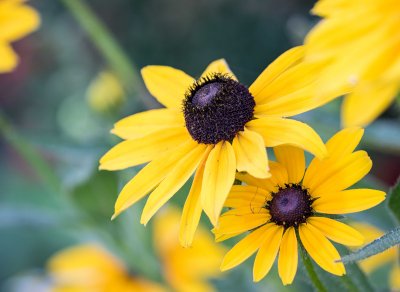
[
  {"x": 29, "y": 154},
  {"x": 110, "y": 49},
  {"x": 311, "y": 272}
]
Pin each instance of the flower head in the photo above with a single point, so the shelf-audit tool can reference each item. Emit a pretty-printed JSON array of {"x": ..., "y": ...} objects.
[
  {"x": 16, "y": 21},
  {"x": 292, "y": 203},
  {"x": 358, "y": 44},
  {"x": 212, "y": 127}
]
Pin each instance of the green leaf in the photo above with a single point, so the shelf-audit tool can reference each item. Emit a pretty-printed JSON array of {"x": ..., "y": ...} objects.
[
  {"x": 394, "y": 200},
  {"x": 379, "y": 245}
]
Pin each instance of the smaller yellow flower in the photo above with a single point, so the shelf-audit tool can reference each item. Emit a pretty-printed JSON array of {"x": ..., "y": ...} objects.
[
  {"x": 292, "y": 202},
  {"x": 16, "y": 21},
  {"x": 90, "y": 268},
  {"x": 186, "y": 269},
  {"x": 375, "y": 262},
  {"x": 105, "y": 92}
]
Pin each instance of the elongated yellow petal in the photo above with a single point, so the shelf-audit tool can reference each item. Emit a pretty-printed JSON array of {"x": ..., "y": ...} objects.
[
  {"x": 337, "y": 231},
  {"x": 219, "y": 175},
  {"x": 288, "y": 257},
  {"x": 145, "y": 123},
  {"x": 250, "y": 154},
  {"x": 267, "y": 253},
  {"x": 150, "y": 176},
  {"x": 292, "y": 158},
  {"x": 252, "y": 196},
  {"x": 260, "y": 86},
  {"x": 279, "y": 177},
  {"x": 218, "y": 66},
  {"x": 134, "y": 152},
  {"x": 173, "y": 182},
  {"x": 321, "y": 250},
  {"x": 348, "y": 201},
  {"x": 8, "y": 58},
  {"x": 395, "y": 277},
  {"x": 366, "y": 103},
  {"x": 231, "y": 223},
  {"x": 192, "y": 209},
  {"x": 245, "y": 248},
  {"x": 279, "y": 131},
  {"x": 168, "y": 85},
  {"x": 336, "y": 176},
  {"x": 344, "y": 142}
]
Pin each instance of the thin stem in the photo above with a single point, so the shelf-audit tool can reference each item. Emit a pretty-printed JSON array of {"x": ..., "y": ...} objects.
[
  {"x": 30, "y": 155},
  {"x": 109, "y": 48},
  {"x": 318, "y": 285}
]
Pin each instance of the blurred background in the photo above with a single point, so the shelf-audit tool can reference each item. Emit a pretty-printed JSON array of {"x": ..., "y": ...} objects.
[{"x": 64, "y": 97}]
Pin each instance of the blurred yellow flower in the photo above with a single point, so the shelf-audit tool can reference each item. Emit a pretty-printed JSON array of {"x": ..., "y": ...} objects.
[
  {"x": 389, "y": 256},
  {"x": 213, "y": 127},
  {"x": 292, "y": 201},
  {"x": 359, "y": 44},
  {"x": 16, "y": 21},
  {"x": 105, "y": 92},
  {"x": 90, "y": 268},
  {"x": 186, "y": 269}
]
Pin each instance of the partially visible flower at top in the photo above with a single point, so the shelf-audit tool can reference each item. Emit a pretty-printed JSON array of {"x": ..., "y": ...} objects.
[
  {"x": 16, "y": 21},
  {"x": 105, "y": 93},
  {"x": 359, "y": 45},
  {"x": 293, "y": 202},
  {"x": 90, "y": 268},
  {"x": 186, "y": 269},
  {"x": 213, "y": 127},
  {"x": 390, "y": 256}
]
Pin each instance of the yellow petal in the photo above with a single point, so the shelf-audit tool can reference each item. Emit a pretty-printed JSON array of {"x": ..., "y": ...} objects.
[
  {"x": 395, "y": 278},
  {"x": 267, "y": 253},
  {"x": 279, "y": 131},
  {"x": 348, "y": 201},
  {"x": 150, "y": 176},
  {"x": 218, "y": 66},
  {"x": 279, "y": 177},
  {"x": 134, "y": 152},
  {"x": 338, "y": 175},
  {"x": 174, "y": 180},
  {"x": 8, "y": 58},
  {"x": 192, "y": 209},
  {"x": 344, "y": 142},
  {"x": 252, "y": 196},
  {"x": 321, "y": 250},
  {"x": 219, "y": 175},
  {"x": 337, "y": 231},
  {"x": 366, "y": 103},
  {"x": 168, "y": 85},
  {"x": 293, "y": 160},
  {"x": 231, "y": 223},
  {"x": 245, "y": 248},
  {"x": 250, "y": 154},
  {"x": 288, "y": 257},
  {"x": 148, "y": 122},
  {"x": 260, "y": 86},
  {"x": 17, "y": 21}
]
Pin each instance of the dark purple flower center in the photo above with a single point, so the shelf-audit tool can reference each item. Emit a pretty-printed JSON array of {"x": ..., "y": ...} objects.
[
  {"x": 290, "y": 206},
  {"x": 216, "y": 108}
]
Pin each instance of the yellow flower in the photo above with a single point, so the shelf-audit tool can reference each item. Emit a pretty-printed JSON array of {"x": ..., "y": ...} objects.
[
  {"x": 186, "y": 269},
  {"x": 105, "y": 92},
  {"x": 212, "y": 127},
  {"x": 16, "y": 21},
  {"x": 90, "y": 268},
  {"x": 389, "y": 256},
  {"x": 291, "y": 202},
  {"x": 359, "y": 44}
]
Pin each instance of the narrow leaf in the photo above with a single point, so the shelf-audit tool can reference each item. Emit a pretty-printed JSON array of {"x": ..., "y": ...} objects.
[
  {"x": 379, "y": 245},
  {"x": 394, "y": 200}
]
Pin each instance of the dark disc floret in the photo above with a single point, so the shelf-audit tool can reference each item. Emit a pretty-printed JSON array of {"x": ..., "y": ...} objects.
[
  {"x": 290, "y": 206},
  {"x": 216, "y": 108}
]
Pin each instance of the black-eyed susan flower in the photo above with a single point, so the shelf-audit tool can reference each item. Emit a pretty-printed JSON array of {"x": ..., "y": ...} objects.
[
  {"x": 16, "y": 21},
  {"x": 186, "y": 269},
  {"x": 213, "y": 127},
  {"x": 89, "y": 267},
  {"x": 359, "y": 45},
  {"x": 389, "y": 256},
  {"x": 291, "y": 204}
]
